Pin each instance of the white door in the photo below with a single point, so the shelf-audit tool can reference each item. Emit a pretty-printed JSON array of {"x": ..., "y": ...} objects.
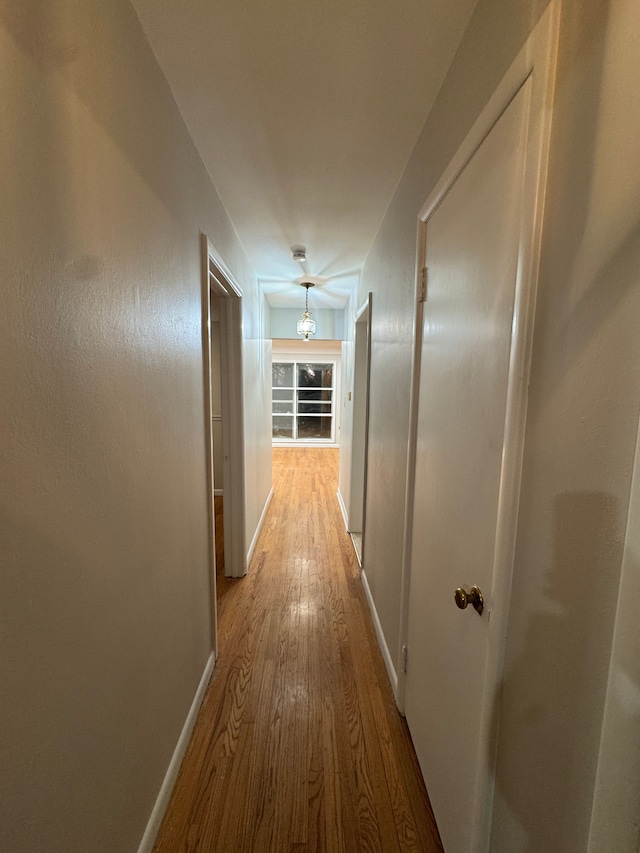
[{"x": 472, "y": 254}]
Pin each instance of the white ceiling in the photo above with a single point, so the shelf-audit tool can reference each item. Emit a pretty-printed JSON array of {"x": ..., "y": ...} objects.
[{"x": 305, "y": 113}]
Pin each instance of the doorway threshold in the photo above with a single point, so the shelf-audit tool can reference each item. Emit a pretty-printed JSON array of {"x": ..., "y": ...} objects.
[{"x": 356, "y": 538}]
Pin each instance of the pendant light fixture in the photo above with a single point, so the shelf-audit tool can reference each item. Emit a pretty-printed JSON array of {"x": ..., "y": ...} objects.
[{"x": 306, "y": 326}]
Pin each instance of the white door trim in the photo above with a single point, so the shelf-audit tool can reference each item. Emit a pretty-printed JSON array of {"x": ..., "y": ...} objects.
[
  {"x": 357, "y": 514},
  {"x": 208, "y": 432},
  {"x": 218, "y": 281},
  {"x": 535, "y": 62}
]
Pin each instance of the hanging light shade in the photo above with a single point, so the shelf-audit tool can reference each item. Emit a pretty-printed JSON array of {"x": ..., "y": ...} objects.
[{"x": 306, "y": 326}]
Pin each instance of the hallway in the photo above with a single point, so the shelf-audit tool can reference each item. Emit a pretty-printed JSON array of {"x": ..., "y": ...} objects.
[{"x": 299, "y": 745}]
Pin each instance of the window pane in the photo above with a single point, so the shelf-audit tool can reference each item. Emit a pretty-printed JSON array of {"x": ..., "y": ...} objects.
[
  {"x": 282, "y": 374},
  {"x": 315, "y": 375},
  {"x": 282, "y": 395},
  {"x": 314, "y": 427},
  {"x": 282, "y": 427},
  {"x": 302, "y": 399},
  {"x": 315, "y": 396},
  {"x": 314, "y": 408}
]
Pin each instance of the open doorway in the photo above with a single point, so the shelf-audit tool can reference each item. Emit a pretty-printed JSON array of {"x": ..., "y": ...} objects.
[
  {"x": 360, "y": 429},
  {"x": 224, "y": 418},
  {"x": 216, "y": 436}
]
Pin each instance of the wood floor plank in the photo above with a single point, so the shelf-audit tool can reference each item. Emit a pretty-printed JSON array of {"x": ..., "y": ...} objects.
[{"x": 299, "y": 745}]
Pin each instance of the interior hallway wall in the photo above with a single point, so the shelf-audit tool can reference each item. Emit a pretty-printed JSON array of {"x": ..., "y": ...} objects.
[
  {"x": 256, "y": 368},
  {"x": 329, "y": 321},
  {"x": 104, "y": 614},
  {"x": 216, "y": 399},
  {"x": 346, "y": 404},
  {"x": 583, "y": 409}
]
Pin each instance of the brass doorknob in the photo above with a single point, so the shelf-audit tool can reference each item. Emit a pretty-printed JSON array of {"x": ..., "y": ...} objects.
[{"x": 473, "y": 597}]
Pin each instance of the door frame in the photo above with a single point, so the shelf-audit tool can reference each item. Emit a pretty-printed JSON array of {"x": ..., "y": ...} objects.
[
  {"x": 360, "y": 422},
  {"x": 217, "y": 282},
  {"x": 536, "y": 62}
]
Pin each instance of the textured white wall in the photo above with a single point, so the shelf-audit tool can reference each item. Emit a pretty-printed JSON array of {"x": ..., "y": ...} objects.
[
  {"x": 346, "y": 404},
  {"x": 104, "y": 607},
  {"x": 216, "y": 401},
  {"x": 615, "y": 823},
  {"x": 583, "y": 416},
  {"x": 329, "y": 323},
  {"x": 583, "y": 411}
]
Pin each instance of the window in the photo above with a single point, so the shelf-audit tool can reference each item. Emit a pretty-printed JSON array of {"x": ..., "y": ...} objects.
[{"x": 303, "y": 401}]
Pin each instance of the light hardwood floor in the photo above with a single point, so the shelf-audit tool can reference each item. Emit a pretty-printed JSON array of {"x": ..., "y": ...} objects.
[{"x": 299, "y": 745}]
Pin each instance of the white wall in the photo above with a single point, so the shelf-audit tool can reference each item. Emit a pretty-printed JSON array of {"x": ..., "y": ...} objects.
[
  {"x": 105, "y": 585},
  {"x": 358, "y": 437},
  {"x": 346, "y": 404},
  {"x": 216, "y": 398},
  {"x": 584, "y": 403},
  {"x": 256, "y": 366},
  {"x": 329, "y": 322},
  {"x": 615, "y": 822},
  {"x": 583, "y": 411},
  {"x": 257, "y": 430}
]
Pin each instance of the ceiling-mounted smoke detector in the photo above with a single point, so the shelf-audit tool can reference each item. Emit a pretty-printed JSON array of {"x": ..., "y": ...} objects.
[{"x": 299, "y": 254}]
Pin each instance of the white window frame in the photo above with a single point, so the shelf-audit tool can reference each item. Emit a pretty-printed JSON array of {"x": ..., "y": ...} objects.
[{"x": 295, "y": 360}]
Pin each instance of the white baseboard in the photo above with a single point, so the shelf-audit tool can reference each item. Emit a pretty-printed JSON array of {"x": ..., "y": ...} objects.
[
  {"x": 343, "y": 510},
  {"x": 259, "y": 527},
  {"x": 386, "y": 656},
  {"x": 296, "y": 443},
  {"x": 166, "y": 789}
]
